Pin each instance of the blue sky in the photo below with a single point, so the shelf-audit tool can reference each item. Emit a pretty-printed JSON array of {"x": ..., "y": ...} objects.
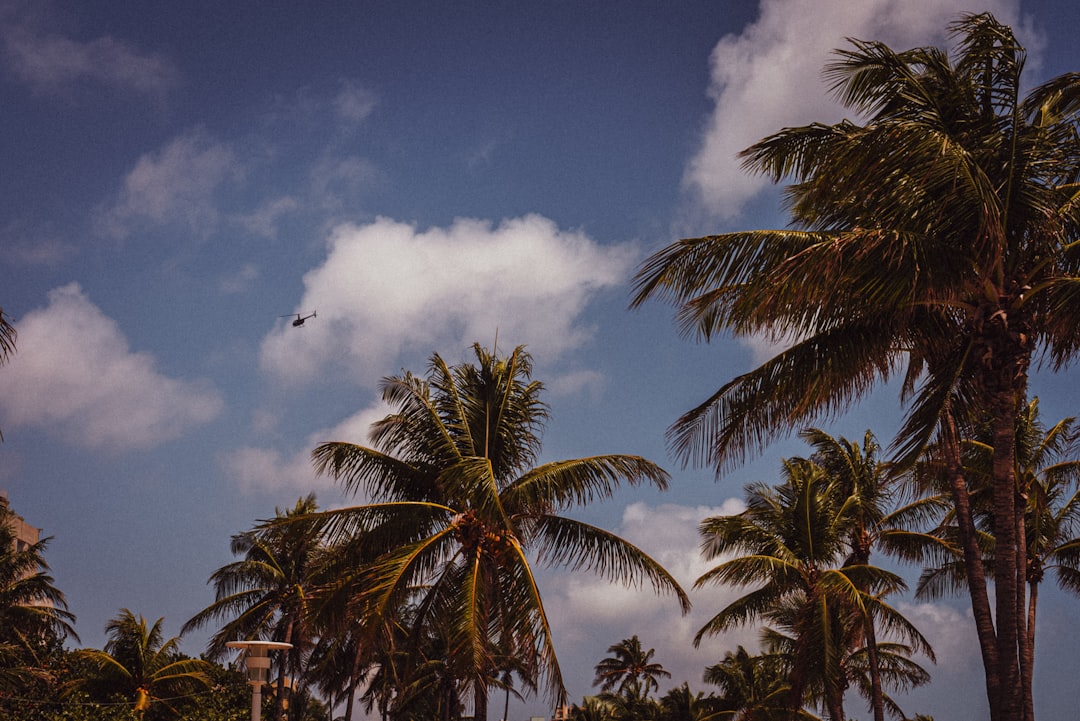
[{"x": 178, "y": 176}]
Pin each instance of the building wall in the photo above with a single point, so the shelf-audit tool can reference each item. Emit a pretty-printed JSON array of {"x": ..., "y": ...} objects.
[{"x": 25, "y": 534}]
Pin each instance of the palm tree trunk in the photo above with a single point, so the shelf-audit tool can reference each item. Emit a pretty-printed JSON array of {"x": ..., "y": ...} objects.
[
  {"x": 283, "y": 668},
  {"x": 353, "y": 682},
  {"x": 878, "y": 696},
  {"x": 1027, "y": 659},
  {"x": 480, "y": 703},
  {"x": 1027, "y": 703},
  {"x": 973, "y": 563},
  {"x": 861, "y": 543},
  {"x": 1007, "y": 561}
]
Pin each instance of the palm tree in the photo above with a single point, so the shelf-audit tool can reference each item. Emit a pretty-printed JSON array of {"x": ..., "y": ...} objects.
[
  {"x": 591, "y": 708},
  {"x": 867, "y": 490},
  {"x": 33, "y": 611},
  {"x": 892, "y": 661},
  {"x": 1048, "y": 476},
  {"x": 632, "y": 704},
  {"x": 140, "y": 664},
  {"x": 459, "y": 507},
  {"x": 795, "y": 536},
  {"x": 940, "y": 234},
  {"x": 682, "y": 704},
  {"x": 629, "y": 665},
  {"x": 752, "y": 688},
  {"x": 268, "y": 593}
]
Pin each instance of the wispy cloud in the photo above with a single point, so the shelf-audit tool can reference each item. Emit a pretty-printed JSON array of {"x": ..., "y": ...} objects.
[
  {"x": 55, "y": 63},
  {"x": 176, "y": 184},
  {"x": 22, "y": 246},
  {"x": 74, "y": 375},
  {"x": 769, "y": 77},
  {"x": 241, "y": 280},
  {"x": 354, "y": 102},
  {"x": 388, "y": 287},
  {"x": 264, "y": 219}
]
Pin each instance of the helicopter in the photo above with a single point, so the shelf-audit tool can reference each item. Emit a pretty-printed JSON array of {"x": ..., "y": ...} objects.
[{"x": 299, "y": 318}]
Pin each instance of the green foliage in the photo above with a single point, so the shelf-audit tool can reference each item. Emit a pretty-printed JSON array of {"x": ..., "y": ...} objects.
[
  {"x": 267, "y": 594},
  {"x": 805, "y": 549},
  {"x": 630, "y": 668},
  {"x": 935, "y": 243},
  {"x": 458, "y": 509},
  {"x": 138, "y": 666},
  {"x": 227, "y": 698},
  {"x": 33, "y": 611}
]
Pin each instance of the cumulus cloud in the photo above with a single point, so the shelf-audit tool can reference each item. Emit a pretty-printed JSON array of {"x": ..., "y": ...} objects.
[
  {"x": 388, "y": 287},
  {"x": 950, "y": 631},
  {"x": 594, "y": 613},
  {"x": 769, "y": 77},
  {"x": 51, "y": 62},
  {"x": 74, "y": 375},
  {"x": 176, "y": 184}
]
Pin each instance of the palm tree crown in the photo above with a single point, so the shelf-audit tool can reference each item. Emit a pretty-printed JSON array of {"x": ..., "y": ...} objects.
[
  {"x": 794, "y": 538},
  {"x": 141, "y": 664},
  {"x": 459, "y": 507},
  {"x": 267, "y": 594},
  {"x": 630, "y": 665},
  {"x": 940, "y": 235}
]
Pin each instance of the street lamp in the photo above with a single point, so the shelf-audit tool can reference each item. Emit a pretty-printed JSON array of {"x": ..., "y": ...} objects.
[{"x": 257, "y": 660}]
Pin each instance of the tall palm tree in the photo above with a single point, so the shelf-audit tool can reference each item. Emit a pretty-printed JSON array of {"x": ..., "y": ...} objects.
[
  {"x": 268, "y": 593},
  {"x": 941, "y": 234},
  {"x": 1048, "y": 476},
  {"x": 867, "y": 490},
  {"x": 893, "y": 665},
  {"x": 794, "y": 537},
  {"x": 1048, "y": 472},
  {"x": 141, "y": 664},
  {"x": 459, "y": 507},
  {"x": 629, "y": 664},
  {"x": 33, "y": 611}
]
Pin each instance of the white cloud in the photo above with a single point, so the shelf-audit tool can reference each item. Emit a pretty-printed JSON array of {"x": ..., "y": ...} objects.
[
  {"x": 264, "y": 219},
  {"x": 21, "y": 246},
  {"x": 387, "y": 287},
  {"x": 74, "y": 375},
  {"x": 769, "y": 76},
  {"x": 951, "y": 633},
  {"x": 265, "y": 469},
  {"x": 335, "y": 179},
  {"x": 354, "y": 103},
  {"x": 51, "y": 62},
  {"x": 174, "y": 185},
  {"x": 594, "y": 613},
  {"x": 577, "y": 383}
]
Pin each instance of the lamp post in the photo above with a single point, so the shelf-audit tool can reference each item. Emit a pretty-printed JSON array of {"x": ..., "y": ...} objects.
[{"x": 257, "y": 660}]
